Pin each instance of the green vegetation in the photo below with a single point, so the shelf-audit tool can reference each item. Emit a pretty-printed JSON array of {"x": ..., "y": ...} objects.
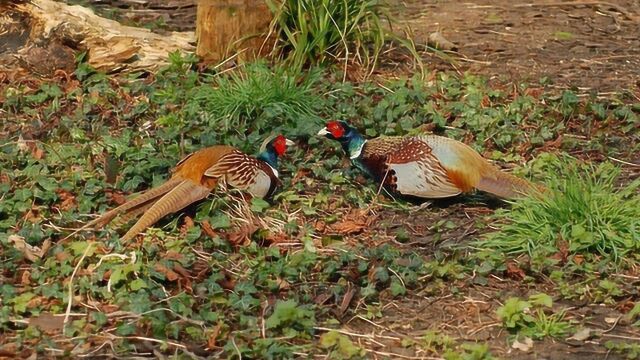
[
  {"x": 528, "y": 318},
  {"x": 328, "y": 256},
  {"x": 310, "y": 32},
  {"x": 585, "y": 217}
]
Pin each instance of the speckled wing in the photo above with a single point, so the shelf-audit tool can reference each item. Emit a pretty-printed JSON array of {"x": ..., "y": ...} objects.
[
  {"x": 416, "y": 171},
  {"x": 243, "y": 172},
  {"x": 408, "y": 166}
]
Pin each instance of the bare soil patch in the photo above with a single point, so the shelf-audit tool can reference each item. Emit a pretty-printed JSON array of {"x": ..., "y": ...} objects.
[{"x": 594, "y": 46}]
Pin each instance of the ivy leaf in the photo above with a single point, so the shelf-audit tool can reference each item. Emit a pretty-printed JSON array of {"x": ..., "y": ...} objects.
[
  {"x": 258, "y": 205},
  {"x": 541, "y": 299},
  {"x": 344, "y": 347},
  {"x": 21, "y": 301},
  {"x": 397, "y": 288}
]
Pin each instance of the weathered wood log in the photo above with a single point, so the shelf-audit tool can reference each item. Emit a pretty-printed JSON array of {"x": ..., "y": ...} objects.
[
  {"x": 226, "y": 27},
  {"x": 110, "y": 46}
]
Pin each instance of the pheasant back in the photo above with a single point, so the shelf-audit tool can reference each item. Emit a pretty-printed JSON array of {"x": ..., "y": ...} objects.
[{"x": 432, "y": 166}]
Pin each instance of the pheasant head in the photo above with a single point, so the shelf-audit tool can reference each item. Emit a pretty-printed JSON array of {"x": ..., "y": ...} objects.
[
  {"x": 350, "y": 139},
  {"x": 272, "y": 148}
]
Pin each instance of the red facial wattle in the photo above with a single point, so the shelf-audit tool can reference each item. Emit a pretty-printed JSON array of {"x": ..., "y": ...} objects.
[
  {"x": 336, "y": 130},
  {"x": 280, "y": 145}
]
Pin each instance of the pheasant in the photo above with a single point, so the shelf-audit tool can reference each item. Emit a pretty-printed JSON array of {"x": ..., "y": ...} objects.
[
  {"x": 426, "y": 166},
  {"x": 195, "y": 176}
]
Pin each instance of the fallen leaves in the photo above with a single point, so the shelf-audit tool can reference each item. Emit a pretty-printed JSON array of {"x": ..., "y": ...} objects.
[
  {"x": 514, "y": 271},
  {"x": 68, "y": 200},
  {"x": 30, "y": 146},
  {"x": 48, "y": 323},
  {"x": 583, "y": 334},
  {"x": 348, "y": 227},
  {"x": 169, "y": 274},
  {"x": 526, "y": 345},
  {"x": 354, "y": 222},
  {"x": 31, "y": 253},
  {"x": 115, "y": 197}
]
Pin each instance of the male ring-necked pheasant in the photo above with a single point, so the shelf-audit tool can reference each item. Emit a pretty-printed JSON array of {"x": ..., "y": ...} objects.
[
  {"x": 426, "y": 166},
  {"x": 195, "y": 176}
]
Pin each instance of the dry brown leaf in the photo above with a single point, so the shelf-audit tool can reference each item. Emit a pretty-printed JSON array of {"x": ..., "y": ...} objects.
[
  {"x": 526, "y": 345},
  {"x": 347, "y": 227},
  {"x": 277, "y": 238},
  {"x": 182, "y": 271},
  {"x": 173, "y": 255},
  {"x": 188, "y": 224},
  {"x": 241, "y": 236},
  {"x": 211, "y": 341},
  {"x": 514, "y": 272},
  {"x": 25, "y": 278},
  {"x": 48, "y": 323},
  {"x": 116, "y": 197},
  {"x": 208, "y": 229},
  {"x": 109, "y": 308},
  {"x": 346, "y": 300},
  {"x": 227, "y": 283},
  {"x": 32, "y": 253},
  {"x": 320, "y": 226},
  {"x": 283, "y": 284},
  {"x": 68, "y": 200},
  {"x": 30, "y": 146},
  {"x": 168, "y": 273},
  {"x": 201, "y": 268}
]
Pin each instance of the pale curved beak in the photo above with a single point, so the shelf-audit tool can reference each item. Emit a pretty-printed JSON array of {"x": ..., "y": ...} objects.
[
  {"x": 323, "y": 132},
  {"x": 289, "y": 142}
]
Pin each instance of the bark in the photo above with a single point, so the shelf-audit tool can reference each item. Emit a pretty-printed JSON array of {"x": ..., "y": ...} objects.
[
  {"x": 227, "y": 27},
  {"x": 57, "y": 31}
]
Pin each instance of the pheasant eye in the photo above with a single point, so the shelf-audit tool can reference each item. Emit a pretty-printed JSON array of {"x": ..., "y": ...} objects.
[{"x": 335, "y": 129}]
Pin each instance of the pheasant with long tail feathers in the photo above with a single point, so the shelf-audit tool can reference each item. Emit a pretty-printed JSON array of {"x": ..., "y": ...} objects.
[
  {"x": 426, "y": 166},
  {"x": 195, "y": 176}
]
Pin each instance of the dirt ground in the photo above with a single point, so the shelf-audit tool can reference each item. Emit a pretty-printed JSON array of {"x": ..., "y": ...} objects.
[{"x": 592, "y": 46}]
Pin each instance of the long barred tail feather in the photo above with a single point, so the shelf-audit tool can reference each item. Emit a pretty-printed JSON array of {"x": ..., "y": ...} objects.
[
  {"x": 131, "y": 208},
  {"x": 183, "y": 194},
  {"x": 506, "y": 185}
]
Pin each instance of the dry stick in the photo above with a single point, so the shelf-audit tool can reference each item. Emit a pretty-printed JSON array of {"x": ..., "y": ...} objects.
[
  {"x": 623, "y": 162},
  {"x": 75, "y": 270},
  {"x": 619, "y": 8}
]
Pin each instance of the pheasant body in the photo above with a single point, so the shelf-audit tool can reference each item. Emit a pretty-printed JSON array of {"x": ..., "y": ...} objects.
[
  {"x": 427, "y": 166},
  {"x": 197, "y": 175}
]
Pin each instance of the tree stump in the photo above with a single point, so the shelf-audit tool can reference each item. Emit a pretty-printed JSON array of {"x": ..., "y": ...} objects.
[{"x": 227, "y": 27}]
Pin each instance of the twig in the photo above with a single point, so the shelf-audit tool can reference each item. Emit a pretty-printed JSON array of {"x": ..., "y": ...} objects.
[
  {"x": 233, "y": 341},
  {"x": 622, "y": 337},
  {"x": 615, "y": 323},
  {"x": 623, "y": 162},
  {"x": 618, "y": 8},
  {"x": 75, "y": 270}
]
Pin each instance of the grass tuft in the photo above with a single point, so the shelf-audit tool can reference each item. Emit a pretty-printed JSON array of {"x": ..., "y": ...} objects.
[
  {"x": 317, "y": 31},
  {"x": 259, "y": 96},
  {"x": 584, "y": 217}
]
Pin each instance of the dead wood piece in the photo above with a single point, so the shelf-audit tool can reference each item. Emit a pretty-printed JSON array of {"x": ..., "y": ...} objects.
[
  {"x": 617, "y": 7},
  {"x": 110, "y": 46}
]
